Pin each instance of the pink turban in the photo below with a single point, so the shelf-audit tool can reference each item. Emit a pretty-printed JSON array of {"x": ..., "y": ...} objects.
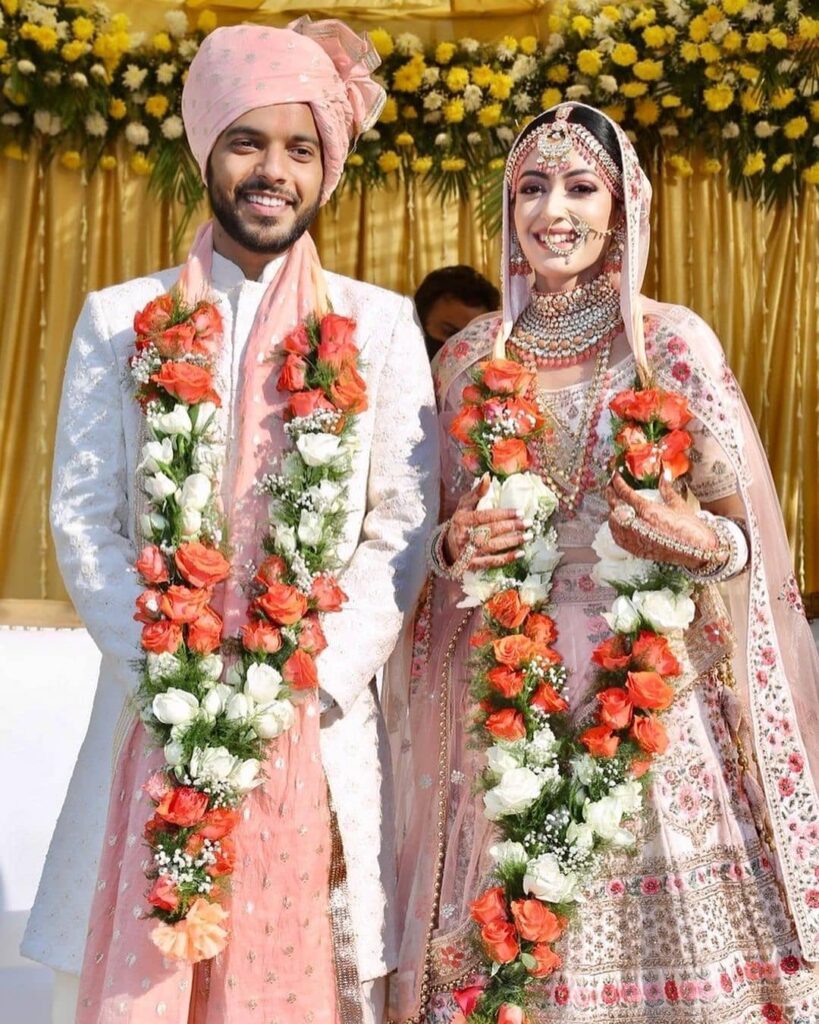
[{"x": 322, "y": 63}]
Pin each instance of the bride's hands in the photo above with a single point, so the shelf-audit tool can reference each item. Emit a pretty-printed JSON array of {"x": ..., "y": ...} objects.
[
  {"x": 497, "y": 534},
  {"x": 666, "y": 531}
]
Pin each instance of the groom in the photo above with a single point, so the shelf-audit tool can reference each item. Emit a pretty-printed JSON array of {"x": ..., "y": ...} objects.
[{"x": 270, "y": 116}]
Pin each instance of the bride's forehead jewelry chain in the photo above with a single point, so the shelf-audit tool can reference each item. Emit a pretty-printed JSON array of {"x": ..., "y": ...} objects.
[
  {"x": 565, "y": 328},
  {"x": 555, "y": 141}
]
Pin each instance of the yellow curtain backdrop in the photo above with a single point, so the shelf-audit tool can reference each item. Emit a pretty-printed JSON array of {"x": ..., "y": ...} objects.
[{"x": 749, "y": 272}]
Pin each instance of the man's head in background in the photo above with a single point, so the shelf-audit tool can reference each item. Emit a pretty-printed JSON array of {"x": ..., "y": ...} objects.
[{"x": 448, "y": 299}]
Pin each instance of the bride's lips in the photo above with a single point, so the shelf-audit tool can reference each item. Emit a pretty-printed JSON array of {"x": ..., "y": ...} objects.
[{"x": 560, "y": 239}]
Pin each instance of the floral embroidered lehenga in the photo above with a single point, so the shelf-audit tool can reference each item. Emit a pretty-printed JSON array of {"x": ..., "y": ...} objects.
[{"x": 714, "y": 918}]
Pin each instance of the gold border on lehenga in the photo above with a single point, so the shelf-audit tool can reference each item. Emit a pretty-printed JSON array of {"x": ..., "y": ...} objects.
[{"x": 345, "y": 955}]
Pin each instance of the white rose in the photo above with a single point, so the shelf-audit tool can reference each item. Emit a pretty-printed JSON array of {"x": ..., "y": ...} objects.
[
  {"x": 284, "y": 538},
  {"x": 325, "y": 495},
  {"x": 174, "y": 753},
  {"x": 604, "y": 816},
  {"x": 203, "y": 413},
  {"x": 175, "y": 706},
  {"x": 263, "y": 683},
  {"x": 152, "y": 523},
  {"x": 542, "y": 555},
  {"x": 584, "y": 769},
  {"x": 237, "y": 707},
  {"x": 630, "y": 795},
  {"x": 526, "y": 493},
  {"x": 623, "y": 617},
  {"x": 517, "y": 790},
  {"x": 621, "y": 570},
  {"x": 580, "y": 835},
  {"x": 318, "y": 449},
  {"x": 535, "y": 588},
  {"x": 211, "y": 666},
  {"x": 191, "y": 522},
  {"x": 507, "y": 853},
  {"x": 311, "y": 526},
  {"x": 664, "y": 610},
  {"x": 502, "y": 759},
  {"x": 160, "y": 486},
  {"x": 207, "y": 459},
  {"x": 273, "y": 719},
  {"x": 177, "y": 421},
  {"x": 545, "y": 880},
  {"x": 162, "y": 665},
  {"x": 156, "y": 454},
  {"x": 245, "y": 776},
  {"x": 234, "y": 676},
  {"x": 478, "y": 588},
  {"x": 216, "y": 698},
  {"x": 212, "y": 764},
  {"x": 196, "y": 491}
]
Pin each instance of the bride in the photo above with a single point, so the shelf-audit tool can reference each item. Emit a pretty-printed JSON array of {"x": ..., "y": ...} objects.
[{"x": 714, "y": 914}]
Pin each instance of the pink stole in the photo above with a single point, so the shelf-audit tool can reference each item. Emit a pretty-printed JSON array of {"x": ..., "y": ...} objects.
[{"x": 279, "y": 962}]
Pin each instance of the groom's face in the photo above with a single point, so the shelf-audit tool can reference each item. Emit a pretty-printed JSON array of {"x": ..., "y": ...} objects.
[{"x": 264, "y": 177}]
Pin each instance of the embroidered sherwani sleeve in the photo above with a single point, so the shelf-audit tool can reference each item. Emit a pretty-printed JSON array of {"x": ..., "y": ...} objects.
[
  {"x": 385, "y": 574},
  {"x": 89, "y": 501}
]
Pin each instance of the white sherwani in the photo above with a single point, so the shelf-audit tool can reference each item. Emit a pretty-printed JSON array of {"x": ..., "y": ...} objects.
[{"x": 95, "y": 504}]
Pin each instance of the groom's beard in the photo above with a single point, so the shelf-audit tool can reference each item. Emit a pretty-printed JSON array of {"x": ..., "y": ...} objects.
[{"x": 271, "y": 239}]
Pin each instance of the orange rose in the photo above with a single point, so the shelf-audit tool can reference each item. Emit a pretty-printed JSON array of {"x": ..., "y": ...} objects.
[
  {"x": 631, "y": 436},
  {"x": 501, "y": 941},
  {"x": 600, "y": 741},
  {"x": 161, "y": 637},
  {"x": 540, "y": 629},
  {"x": 299, "y": 671},
  {"x": 297, "y": 341},
  {"x": 548, "y": 700},
  {"x": 535, "y": 922},
  {"x": 218, "y": 822},
  {"x": 206, "y": 320},
  {"x": 514, "y": 651},
  {"x": 547, "y": 961},
  {"x": 482, "y": 638},
  {"x": 643, "y": 461},
  {"x": 349, "y": 390},
  {"x": 163, "y": 895},
  {"x": 155, "y": 316},
  {"x": 636, "y": 405},
  {"x": 673, "y": 449},
  {"x": 507, "y": 724},
  {"x": 311, "y": 635},
  {"x": 505, "y": 680},
  {"x": 648, "y": 690},
  {"x": 509, "y": 1014},
  {"x": 524, "y": 415},
  {"x": 326, "y": 594},
  {"x": 205, "y": 635},
  {"x": 649, "y": 734},
  {"x": 155, "y": 827},
  {"x": 225, "y": 858},
  {"x": 505, "y": 377},
  {"x": 184, "y": 604},
  {"x": 147, "y": 606},
  {"x": 507, "y": 608},
  {"x": 151, "y": 565},
  {"x": 472, "y": 395},
  {"x": 176, "y": 341},
  {"x": 673, "y": 410},
  {"x": 472, "y": 460},
  {"x": 615, "y": 707},
  {"x": 272, "y": 570},
  {"x": 639, "y": 768},
  {"x": 509, "y": 456},
  {"x": 465, "y": 422},
  {"x": 183, "y": 806},
  {"x": 337, "y": 345},
  {"x": 303, "y": 403},
  {"x": 283, "y": 604},
  {"x": 489, "y": 906},
  {"x": 293, "y": 374},
  {"x": 651, "y": 653},
  {"x": 200, "y": 565},
  {"x": 189, "y": 383},
  {"x": 611, "y": 654},
  {"x": 261, "y": 636}
]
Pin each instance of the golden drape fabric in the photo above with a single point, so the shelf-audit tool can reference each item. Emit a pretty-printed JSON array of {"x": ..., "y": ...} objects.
[{"x": 750, "y": 273}]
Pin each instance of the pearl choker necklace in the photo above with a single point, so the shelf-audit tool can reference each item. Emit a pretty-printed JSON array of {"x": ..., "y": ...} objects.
[{"x": 565, "y": 328}]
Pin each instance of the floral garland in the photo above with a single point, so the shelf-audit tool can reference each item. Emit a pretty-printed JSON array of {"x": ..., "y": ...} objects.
[
  {"x": 560, "y": 797},
  {"x": 214, "y": 733},
  {"x": 732, "y": 80}
]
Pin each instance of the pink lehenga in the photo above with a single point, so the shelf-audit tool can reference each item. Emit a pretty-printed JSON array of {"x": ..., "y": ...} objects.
[{"x": 715, "y": 917}]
